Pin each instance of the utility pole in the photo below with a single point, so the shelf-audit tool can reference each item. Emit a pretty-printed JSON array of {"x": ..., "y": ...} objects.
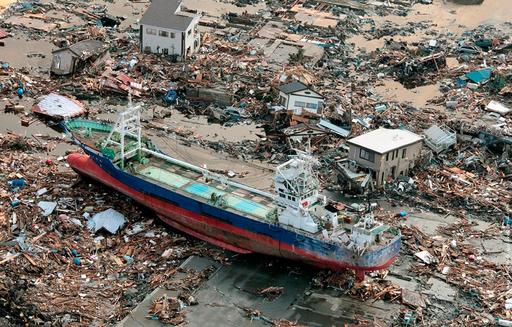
[{"x": 352, "y": 103}]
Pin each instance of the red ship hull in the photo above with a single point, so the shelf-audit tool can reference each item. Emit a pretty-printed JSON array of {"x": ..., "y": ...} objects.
[{"x": 209, "y": 229}]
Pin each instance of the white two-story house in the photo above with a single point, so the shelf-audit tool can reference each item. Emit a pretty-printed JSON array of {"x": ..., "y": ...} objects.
[
  {"x": 387, "y": 153},
  {"x": 167, "y": 30},
  {"x": 299, "y": 98}
]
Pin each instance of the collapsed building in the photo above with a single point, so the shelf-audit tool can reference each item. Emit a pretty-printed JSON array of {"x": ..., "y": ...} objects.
[{"x": 70, "y": 60}]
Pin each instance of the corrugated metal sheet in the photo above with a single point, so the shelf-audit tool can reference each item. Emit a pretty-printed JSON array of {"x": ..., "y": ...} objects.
[
  {"x": 109, "y": 220},
  {"x": 336, "y": 129},
  {"x": 55, "y": 105}
]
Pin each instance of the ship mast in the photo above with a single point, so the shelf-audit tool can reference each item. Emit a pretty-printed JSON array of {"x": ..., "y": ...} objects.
[{"x": 126, "y": 134}]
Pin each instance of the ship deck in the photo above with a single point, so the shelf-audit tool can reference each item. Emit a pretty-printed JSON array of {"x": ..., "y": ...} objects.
[
  {"x": 194, "y": 185},
  {"x": 183, "y": 180}
]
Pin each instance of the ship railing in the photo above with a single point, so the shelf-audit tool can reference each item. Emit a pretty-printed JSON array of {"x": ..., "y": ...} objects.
[{"x": 208, "y": 173}]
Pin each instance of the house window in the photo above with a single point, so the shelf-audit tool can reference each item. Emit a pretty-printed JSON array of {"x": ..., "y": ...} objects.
[
  {"x": 404, "y": 153},
  {"x": 367, "y": 155},
  {"x": 165, "y": 51},
  {"x": 147, "y": 49},
  {"x": 150, "y": 31},
  {"x": 189, "y": 32},
  {"x": 57, "y": 62},
  {"x": 173, "y": 35},
  {"x": 396, "y": 153},
  {"x": 300, "y": 104},
  {"x": 283, "y": 101},
  {"x": 163, "y": 33},
  {"x": 387, "y": 156},
  {"x": 311, "y": 106}
]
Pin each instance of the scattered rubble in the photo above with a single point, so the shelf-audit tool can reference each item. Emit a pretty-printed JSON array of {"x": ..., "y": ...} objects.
[{"x": 73, "y": 253}]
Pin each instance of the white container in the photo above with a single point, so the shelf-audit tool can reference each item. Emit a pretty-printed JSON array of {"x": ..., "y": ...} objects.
[{"x": 503, "y": 322}]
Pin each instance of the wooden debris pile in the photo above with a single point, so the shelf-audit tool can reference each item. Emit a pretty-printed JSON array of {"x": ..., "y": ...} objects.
[{"x": 167, "y": 310}]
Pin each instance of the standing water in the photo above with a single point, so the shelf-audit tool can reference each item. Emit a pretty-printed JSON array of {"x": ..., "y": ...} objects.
[{"x": 4, "y": 4}]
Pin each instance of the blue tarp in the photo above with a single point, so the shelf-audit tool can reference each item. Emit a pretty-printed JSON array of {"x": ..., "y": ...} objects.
[{"x": 479, "y": 76}]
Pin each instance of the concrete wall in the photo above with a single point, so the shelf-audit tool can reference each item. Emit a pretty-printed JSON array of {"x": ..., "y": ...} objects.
[
  {"x": 384, "y": 163},
  {"x": 157, "y": 43},
  {"x": 292, "y": 98},
  {"x": 191, "y": 36}
]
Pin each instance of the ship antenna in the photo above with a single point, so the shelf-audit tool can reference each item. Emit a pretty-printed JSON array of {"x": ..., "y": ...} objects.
[
  {"x": 308, "y": 145},
  {"x": 130, "y": 103}
]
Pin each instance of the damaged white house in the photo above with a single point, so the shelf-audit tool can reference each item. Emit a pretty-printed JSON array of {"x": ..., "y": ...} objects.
[
  {"x": 387, "y": 153},
  {"x": 166, "y": 29},
  {"x": 440, "y": 139},
  {"x": 299, "y": 98}
]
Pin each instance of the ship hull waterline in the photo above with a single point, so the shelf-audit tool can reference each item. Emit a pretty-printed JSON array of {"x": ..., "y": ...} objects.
[{"x": 210, "y": 229}]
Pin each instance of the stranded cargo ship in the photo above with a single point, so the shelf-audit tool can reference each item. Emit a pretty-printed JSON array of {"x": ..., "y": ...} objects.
[{"x": 296, "y": 222}]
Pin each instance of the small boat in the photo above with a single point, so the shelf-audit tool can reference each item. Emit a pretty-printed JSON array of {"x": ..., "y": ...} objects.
[{"x": 294, "y": 222}]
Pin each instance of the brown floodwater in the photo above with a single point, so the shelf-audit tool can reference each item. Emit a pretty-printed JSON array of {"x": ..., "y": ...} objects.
[
  {"x": 21, "y": 53},
  {"x": 219, "y": 8},
  {"x": 5, "y": 3},
  {"x": 454, "y": 16},
  {"x": 12, "y": 123},
  {"x": 418, "y": 97},
  {"x": 443, "y": 16}
]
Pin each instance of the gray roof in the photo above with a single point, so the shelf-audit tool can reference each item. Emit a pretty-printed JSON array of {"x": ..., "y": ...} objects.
[
  {"x": 86, "y": 48},
  {"x": 383, "y": 140},
  {"x": 292, "y": 87},
  {"x": 162, "y": 13}
]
